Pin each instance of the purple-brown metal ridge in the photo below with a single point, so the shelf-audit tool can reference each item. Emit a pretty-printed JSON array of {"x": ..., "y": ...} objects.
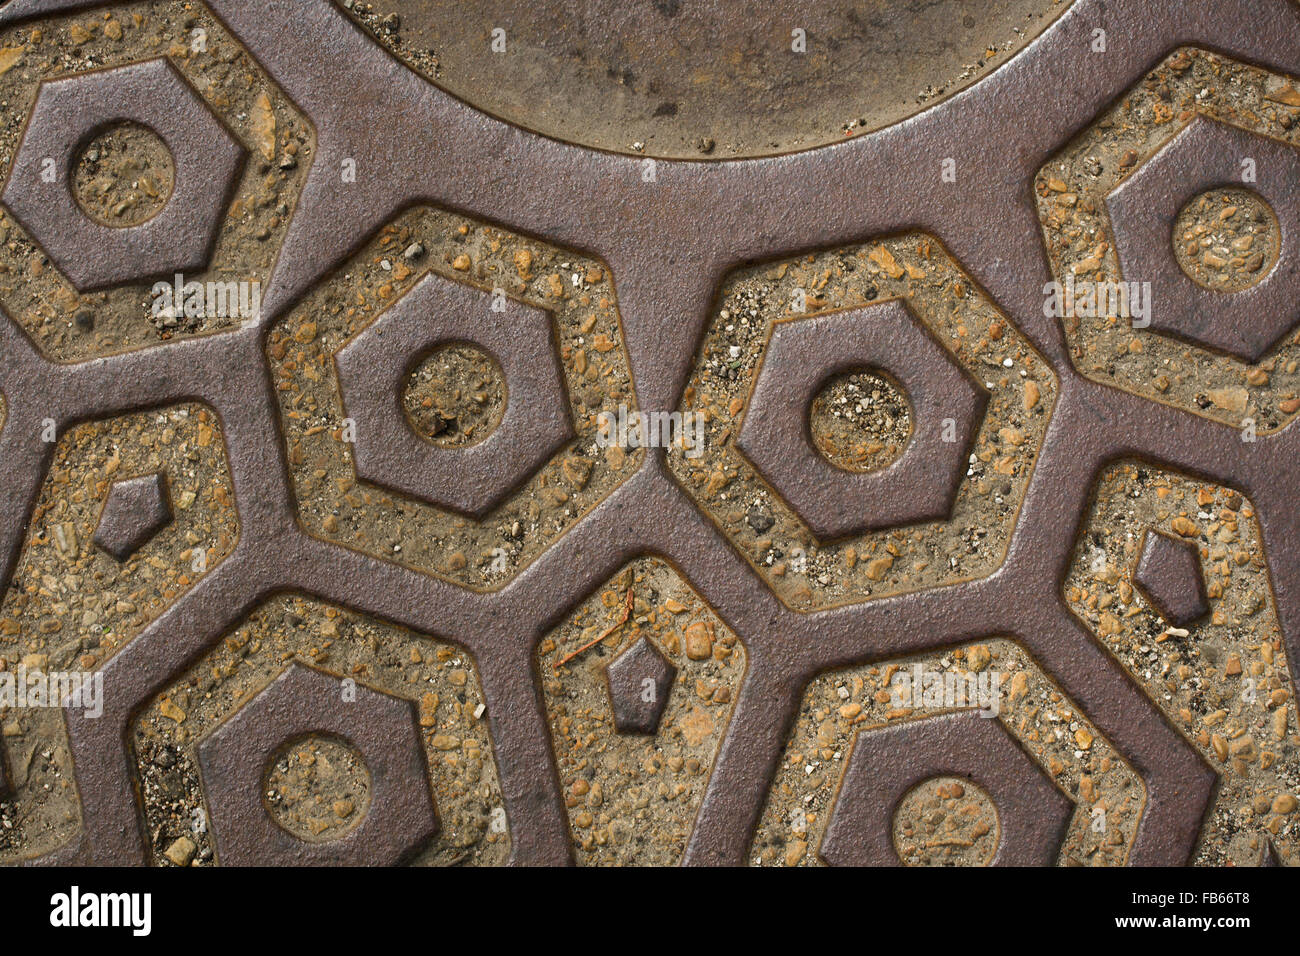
[
  {"x": 135, "y": 510},
  {"x": 667, "y": 244},
  {"x": 946, "y": 404},
  {"x": 301, "y": 703},
  {"x": 1169, "y": 574},
  {"x": 68, "y": 113},
  {"x": 888, "y": 762},
  {"x": 1204, "y": 155}
]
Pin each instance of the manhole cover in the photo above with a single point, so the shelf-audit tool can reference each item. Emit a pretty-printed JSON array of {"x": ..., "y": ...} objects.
[{"x": 633, "y": 434}]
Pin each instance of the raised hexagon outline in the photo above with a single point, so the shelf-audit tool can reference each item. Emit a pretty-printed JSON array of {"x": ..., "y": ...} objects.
[
  {"x": 1208, "y": 154},
  {"x": 71, "y": 110},
  {"x": 886, "y": 763},
  {"x": 536, "y": 422},
  {"x": 234, "y": 754},
  {"x": 802, "y": 355}
]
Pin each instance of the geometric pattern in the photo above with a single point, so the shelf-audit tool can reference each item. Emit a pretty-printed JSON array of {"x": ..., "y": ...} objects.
[
  {"x": 1032, "y": 812},
  {"x": 639, "y": 681},
  {"x": 300, "y": 701},
  {"x": 917, "y": 487},
  {"x": 1169, "y": 572},
  {"x": 667, "y": 244},
  {"x": 136, "y": 509},
  {"x": 207, "y": 157},
  {"x": 1143, "y": 208}
]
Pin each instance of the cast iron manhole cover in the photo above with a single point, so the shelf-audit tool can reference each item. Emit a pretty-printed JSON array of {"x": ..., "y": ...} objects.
[{"x": 649, "y": 433}]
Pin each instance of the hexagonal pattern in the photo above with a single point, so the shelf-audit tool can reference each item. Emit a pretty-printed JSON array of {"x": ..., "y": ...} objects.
[
  {"x": 1204, "y": 155},
  {"x": 471, "y": 480},
  {"x": 70, "y": 111},
  {"x": 668, "y": 242},
  {"x": 640, "y": 680},
  {"x": 233, "y": 758},
  {"x": 802, "y": 355},
  {"x": 887, "y": 763},
  {"x": 1169, "y": 574},
  {"x": 136, "y": 509}
]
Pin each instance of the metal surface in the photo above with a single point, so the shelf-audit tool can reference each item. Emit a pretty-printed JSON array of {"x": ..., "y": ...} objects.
[
  {"x": 68, "y": 113},
  {"x": 887, "y": 763},
  {"x": 136, "y": 509},
  {"x": 688, "y": 79},
  {"x": 640, "y": 680},
  {"x": 300, "y": 702},
  {"x": 947, "y": 406},
  {"x": 536, "y": 423},
  {"x": 1205, "y": 155},
  {"x": 1169, "y": 574},
  {"x": 667, "y": 243}
]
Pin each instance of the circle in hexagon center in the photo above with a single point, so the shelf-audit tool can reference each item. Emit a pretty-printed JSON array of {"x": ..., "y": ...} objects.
[
  {"x": 1227, "y": 239},
  {"x": 455, "y": 395},
  {"x": 123, "y": 176},
  {"x": 317, "y": 788},
  {"x": 861, "y": 420},
  {"x": 946, "y": 821}
]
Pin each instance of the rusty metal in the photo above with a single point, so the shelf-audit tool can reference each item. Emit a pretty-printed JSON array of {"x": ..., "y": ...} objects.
[
  {"x": 1169, "y": 574},
  {"x": 68, "y": 113},
  {"x": 947, "y": 407},
  {"x": 668, "y": 243},
  {"x": 1268, "y": 855},
  {"x": 536, "y": 422},
  {"x": 640, "y": 680},
  {"x": 693, "y": 79},
  {"x": 888, "y": 762},
  {"x": 135, "y": 510},
  {"x": 1204, "y": 155},
  {"x": 234, "y": 756}
]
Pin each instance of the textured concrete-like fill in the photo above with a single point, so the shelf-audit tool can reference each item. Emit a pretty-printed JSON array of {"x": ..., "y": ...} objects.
[{"x": 640, "y": 614}]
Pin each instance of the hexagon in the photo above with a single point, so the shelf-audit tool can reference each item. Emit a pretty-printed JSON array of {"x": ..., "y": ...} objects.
[
  {"x": 70, "y": 111},
  {"x": 336, "y": 504},
  {"x": 639, "y": 682},
  {"x": 993, "y": 453},
  {"x": 802, "y": 356},
  {"x": 1143, "y": 208},
  {"x": 886, "y": 763},
  {"x": 234, "y": 755},
  {"x": 136, "y": 509},
  {"x": 474, "y": 479},
  {"x": 1169, "y": 574}
]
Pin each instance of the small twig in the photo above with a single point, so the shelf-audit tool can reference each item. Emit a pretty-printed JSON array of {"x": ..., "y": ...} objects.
[{"x": 627, "y": 612}]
